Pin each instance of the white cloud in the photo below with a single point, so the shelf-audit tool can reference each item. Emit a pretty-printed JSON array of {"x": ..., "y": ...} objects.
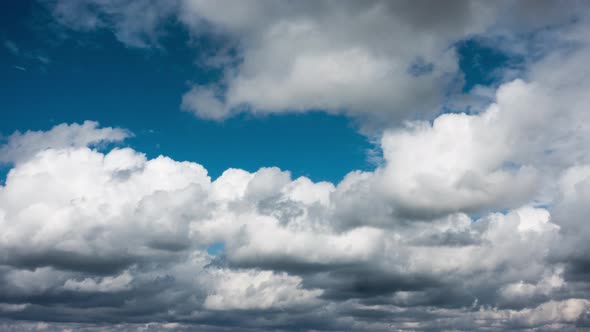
[
  {"x": 205, "y": 103},
  {"x": 106, "y": 284},
  {"x": 400, "y": 232},
  {"x": 447, "y": 233},
  {"x": 22, "y": 146},
  {"x": 458, "y": 163},
  {"x": 304, "y": 56},
  {"x": 341, "y": 57},
  {"x": 256, "y": 290},
  {"x": 553, "y": 312},
  {"x": 521, "y": 290},
  {"x": 122, "y": 223}
]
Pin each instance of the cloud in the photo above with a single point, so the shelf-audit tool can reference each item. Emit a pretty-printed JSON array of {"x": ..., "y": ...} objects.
[
  {"x": 571, "y": 210},
  {"x": 122, "y": 226},
  {"x": 457, "y": 163},
  {"x": 106, "y": 284},
  {"x": 132, "y": 29},
  {"x": 308, "y": 56},
  {"x": 377, "y": 61},
  {"x": 22, "y": 146},
  {"x": 243, "y": 290},
  {"x": 473, "y": 221},
  {"x": 205, "y": 103},
  {"x": 128, "y": 236}
]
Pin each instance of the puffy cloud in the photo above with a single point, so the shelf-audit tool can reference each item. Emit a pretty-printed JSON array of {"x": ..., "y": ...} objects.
[
  {"x": 106, "y": 284},
  {"x": 501, "y": 156},
  {"x": 552, "y": 315},
  {"x": 457, "y": 163},
  {"x": 205, "y": 103},
  {"x": 344, "y": 58},
  {"x": 122, "y": 226},
  {"x": 524, "y": 291},
  {"x": 130, "y": 233},
  {"x": 22, "y": 146},
  {"x": 571, "y": 212},
  {"x": 375, "y": 60},
  {"x": 473, "y": 221},
  {"x": 244, "y": 290}
]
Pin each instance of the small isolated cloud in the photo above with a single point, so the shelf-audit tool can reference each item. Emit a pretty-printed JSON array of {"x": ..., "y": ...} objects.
[
  {"x": 204, "y": 102},
  {"x": 22, "y": 146}
]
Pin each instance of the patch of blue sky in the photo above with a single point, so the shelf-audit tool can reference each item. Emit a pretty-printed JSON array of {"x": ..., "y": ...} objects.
[
  {"x": 216, "y": 249},
  {"x": 482, "y": 64},
  {"x": 92, "y": 76},
  {"x": 4, "y": 169},
  {"x": 72, "y": 77}
]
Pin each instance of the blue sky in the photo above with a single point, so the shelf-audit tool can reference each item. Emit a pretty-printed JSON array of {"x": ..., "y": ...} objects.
[{"x": 94, "y": 76}]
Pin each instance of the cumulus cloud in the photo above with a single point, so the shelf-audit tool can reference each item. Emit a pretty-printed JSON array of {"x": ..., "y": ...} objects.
[
  {"x": 378, "y": 61},
  {"x": 106, "y": 284},
  {"x": 131, "y": 233},
  {"x": 21, "y": 146},
  {"x": 243, "y": 290},
  {"x": 473, "y": 221}
]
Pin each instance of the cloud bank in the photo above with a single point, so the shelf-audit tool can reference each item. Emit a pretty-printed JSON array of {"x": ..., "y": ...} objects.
[{"x": 473, "y": 221}]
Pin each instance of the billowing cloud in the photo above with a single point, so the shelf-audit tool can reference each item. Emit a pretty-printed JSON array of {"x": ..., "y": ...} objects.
[
  {"x": 379, "y": 61},
  {"x": 472, "y": 221},
  {"x": 21, "y": 146},
  {"x": 250, "y": 290},
  {"x": 130, "y": 234}
]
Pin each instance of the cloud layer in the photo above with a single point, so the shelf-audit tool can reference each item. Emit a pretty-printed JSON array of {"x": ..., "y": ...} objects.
[
  {"x": 473, "y": 221},
  {"x": 399, "y": 247}
]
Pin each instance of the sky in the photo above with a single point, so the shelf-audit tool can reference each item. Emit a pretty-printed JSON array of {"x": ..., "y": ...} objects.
[{"x": 188, "y": 165}]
